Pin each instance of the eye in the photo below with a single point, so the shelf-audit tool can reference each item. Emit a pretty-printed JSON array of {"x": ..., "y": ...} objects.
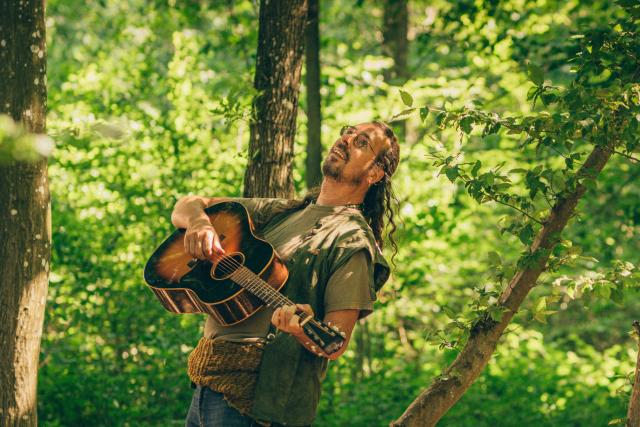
[{"x": 361, "y": 141}]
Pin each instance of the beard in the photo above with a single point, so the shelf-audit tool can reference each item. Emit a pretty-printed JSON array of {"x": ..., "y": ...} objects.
[{"x": 334, "y": 170}]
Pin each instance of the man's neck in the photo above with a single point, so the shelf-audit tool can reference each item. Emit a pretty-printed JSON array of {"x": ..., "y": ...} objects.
[{"x": 334, "y": 193}]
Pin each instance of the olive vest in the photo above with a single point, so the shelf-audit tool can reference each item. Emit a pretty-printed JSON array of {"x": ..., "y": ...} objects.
[{"x": 289, "y": 378}]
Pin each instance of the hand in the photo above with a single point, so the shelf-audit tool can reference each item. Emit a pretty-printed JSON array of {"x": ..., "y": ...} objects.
[
  {"x": 286, "y": 319},
  {"x": 201, "y": 240}
]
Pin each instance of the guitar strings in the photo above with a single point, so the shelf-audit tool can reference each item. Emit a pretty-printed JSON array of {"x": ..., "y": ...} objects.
[
  {"x": 253, "y": 279},
  {"x": 234, "y": 266}
]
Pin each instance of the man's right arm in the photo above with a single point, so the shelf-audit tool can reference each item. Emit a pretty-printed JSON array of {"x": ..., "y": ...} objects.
[
  {"x": 191, "y": 208},
  {"x": 200, "y": 239}
]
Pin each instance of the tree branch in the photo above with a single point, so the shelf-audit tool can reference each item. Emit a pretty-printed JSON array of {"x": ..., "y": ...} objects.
[
  {"x": 428, "y": 408},
  {"x": 633, "y": 415}
]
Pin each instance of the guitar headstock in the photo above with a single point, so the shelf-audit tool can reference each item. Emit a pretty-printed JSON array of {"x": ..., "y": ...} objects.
[{"x": 325, "y": 336}]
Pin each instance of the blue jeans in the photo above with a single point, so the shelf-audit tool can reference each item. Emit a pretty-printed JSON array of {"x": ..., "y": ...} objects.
[{"x": 209, "y": 409}]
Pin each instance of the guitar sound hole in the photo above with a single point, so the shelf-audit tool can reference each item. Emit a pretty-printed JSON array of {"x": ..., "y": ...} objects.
[{"x": 227, "y": 265}]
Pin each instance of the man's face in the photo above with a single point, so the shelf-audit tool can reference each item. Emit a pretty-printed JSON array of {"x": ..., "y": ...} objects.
[{"x": 354, "y": 153}]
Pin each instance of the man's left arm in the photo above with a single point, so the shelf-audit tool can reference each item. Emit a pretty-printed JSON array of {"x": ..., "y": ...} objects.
[
  {"x": 287, "y": 320},
  {"x": 348, "y": 297}
]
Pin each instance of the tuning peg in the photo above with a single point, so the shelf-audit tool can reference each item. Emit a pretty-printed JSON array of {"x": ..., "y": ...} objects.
[{"x": 343, "y": 334}]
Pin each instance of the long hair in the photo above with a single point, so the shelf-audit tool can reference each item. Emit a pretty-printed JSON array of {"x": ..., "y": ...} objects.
[{"x": 380, "y": 202}]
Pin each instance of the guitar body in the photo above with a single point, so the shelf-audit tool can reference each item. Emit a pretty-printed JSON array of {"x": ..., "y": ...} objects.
[{"x": 186, "y": 285}]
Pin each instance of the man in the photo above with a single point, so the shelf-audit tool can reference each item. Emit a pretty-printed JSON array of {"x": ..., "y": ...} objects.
[{"x": 264, "y": 371}]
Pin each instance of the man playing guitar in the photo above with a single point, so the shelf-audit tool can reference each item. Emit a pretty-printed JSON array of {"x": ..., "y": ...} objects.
[{"x": 265, "y": 370}]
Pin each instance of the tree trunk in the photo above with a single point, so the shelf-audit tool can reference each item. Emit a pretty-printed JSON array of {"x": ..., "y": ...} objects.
[
  {"x": 633, "y": 415},
  {"x": 25, "y": 222},
  {"x": 446, "y": 390},
  {"x": 277, "y": 81},
  {"x": 396, "y": 45},
  {"x": 394, "y": 39},
  {"x": 314, "y": 116}
]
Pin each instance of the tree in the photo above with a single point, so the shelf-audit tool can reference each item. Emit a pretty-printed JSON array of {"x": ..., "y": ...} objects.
[
  {"x": 314, "y": 115},
  {"x": 394, "y": 35},
  {"x": 277, "y": 82},
  {"x": 24, "y": 212},
  {"x": 396, "y": 45},
  {"x": 601, "y": 114}
]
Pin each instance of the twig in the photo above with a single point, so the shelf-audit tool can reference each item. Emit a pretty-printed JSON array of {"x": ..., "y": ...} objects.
[{"x": 628, "y": 156}]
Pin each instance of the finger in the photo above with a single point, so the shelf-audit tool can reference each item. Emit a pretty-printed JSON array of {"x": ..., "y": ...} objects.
[
  {"x": 207, "y": 242},
  {"x": 294, "y": 323},
  {"x": 201, "y": 249},
  {"x": 284, "y": 316},
  {"x": 192, "y": 247},
  {"x": 275, "y": 318},
  {"x": 306, "y": 308},
  {"x": 217, "y": 246}
]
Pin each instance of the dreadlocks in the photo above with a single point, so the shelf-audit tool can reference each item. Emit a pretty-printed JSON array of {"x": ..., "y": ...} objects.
[{"x": 380, "y": 198}]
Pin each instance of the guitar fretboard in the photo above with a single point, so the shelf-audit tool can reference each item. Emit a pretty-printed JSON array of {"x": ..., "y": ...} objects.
[{"x": 258, "y": 287}]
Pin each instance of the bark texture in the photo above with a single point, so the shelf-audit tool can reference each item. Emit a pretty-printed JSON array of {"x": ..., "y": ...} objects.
[
  {"x": 24, "y": 213},
  {"x": 633, "y": 415},
  {"x": 277, "y": 80},
  {"x": 394, "y": 35},
  {"x": 445, "y": 391},
  {"x": 314, "y": 114},
  {"x": 395, "y": 44}
]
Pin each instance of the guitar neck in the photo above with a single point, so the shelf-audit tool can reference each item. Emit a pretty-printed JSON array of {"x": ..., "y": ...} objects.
[
  {"x": 328, "y": 338},
  {"x": 272, "y": 298},
  {"x": 258, "y": 287}
]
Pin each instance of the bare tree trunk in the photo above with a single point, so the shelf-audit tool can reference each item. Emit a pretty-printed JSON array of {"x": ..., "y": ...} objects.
[
  {"x": 394, "y": 38},
  {"x": 395, "y": 44},
  {"x": 314, "y": 114},
  {"x": 446, "y": 390},
  {"x": 277, "y": 80},
  {"x": 25, "y": 222},
  {"x": 633, "y": 415}
]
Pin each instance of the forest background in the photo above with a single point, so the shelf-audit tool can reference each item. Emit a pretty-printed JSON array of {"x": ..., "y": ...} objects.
[{"x": 150, "y": 101}]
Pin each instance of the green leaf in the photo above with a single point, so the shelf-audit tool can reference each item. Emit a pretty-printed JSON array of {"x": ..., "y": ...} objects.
[
  {"x": 518, "y": 170},
  {"x": 476, "y": 168},
  {"x": 402, "y": 114},
  {"x": 494, "y": 258},
  {"x": 525, "y": 234},
  {"x": 496, "y": 312},
  {"x": 424, "y": 112},
  {"x": 452, "y": 173},
  {"x": 466, "y": 125},
  {"x": 406, "y": 98},
  {"x": 450, "y": 313},
  {"x": 536, "y": 75}
]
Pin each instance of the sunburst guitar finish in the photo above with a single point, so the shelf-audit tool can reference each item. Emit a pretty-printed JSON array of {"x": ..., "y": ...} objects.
[
  {"x": 184, "y": 284},
  {"x": 233, "y": 286}
]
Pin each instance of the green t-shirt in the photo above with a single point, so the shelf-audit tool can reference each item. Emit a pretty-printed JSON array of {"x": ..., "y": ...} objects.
[{"x": 347, "y": 288}]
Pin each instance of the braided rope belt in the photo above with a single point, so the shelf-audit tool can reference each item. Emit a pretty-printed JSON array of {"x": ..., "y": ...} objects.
[{"x": 230, "y": 368}]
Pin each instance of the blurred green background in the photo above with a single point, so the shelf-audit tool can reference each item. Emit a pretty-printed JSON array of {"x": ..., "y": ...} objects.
[{"x": 150, "y": 101}]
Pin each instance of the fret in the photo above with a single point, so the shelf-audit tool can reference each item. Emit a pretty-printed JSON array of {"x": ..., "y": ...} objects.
[{"x": 254, "y": 284}]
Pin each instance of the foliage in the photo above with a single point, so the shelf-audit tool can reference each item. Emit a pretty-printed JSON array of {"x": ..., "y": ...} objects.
[
  {"x": 18, "y": 145},
  {"x": 149, "y": 101}
]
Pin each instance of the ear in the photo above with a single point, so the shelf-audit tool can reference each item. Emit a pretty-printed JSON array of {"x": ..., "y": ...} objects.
[{"x": 375, "y": 174}]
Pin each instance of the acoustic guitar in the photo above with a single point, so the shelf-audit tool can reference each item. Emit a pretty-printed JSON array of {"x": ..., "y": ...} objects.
[{"x": 233, "y": 286}]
